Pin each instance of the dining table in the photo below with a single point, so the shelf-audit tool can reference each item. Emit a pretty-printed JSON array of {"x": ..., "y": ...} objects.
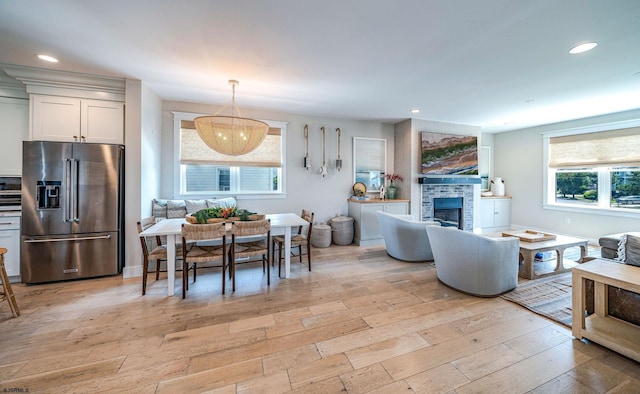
[{"x": 281, "y": 224}]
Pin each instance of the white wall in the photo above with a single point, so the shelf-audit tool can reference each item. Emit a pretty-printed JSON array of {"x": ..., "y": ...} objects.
[
  {"x": 151, "y": 149},
  {"x": 143, "y": 142},
  {"x": 326, "y": 196},
  {"x": 518, "y": 159}
]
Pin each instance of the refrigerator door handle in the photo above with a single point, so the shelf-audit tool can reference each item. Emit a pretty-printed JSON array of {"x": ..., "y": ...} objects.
[
  {"x": 67, "y": 182},
  {"x": 40, "y": 240},
  {"x": 75, "y": 177}
]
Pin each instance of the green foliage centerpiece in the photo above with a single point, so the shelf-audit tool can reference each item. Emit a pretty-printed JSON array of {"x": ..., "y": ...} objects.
[{"x": 222, "y": 214}]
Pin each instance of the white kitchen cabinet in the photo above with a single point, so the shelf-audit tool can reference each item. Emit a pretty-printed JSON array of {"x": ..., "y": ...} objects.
[
  {"x": 367, "y": 230},
  {"x": 102, "y": 121},
  {"x": 495, "y": 213},
  {"x": 10, "y": 239},
  {"x": 69, "y": 119},
  {"x": 14, "y": 114}
]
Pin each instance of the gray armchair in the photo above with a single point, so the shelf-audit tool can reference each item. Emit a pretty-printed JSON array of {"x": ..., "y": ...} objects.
[
  {"x": 475, "y": 264},
  {"x": 405, "y": 238}
]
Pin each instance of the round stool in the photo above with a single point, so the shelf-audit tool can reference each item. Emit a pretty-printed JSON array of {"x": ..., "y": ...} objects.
[
  {"x": 321, "y": 236},
  {"x": 7, "y": 291},
  {"x": 342, "y": 227}
]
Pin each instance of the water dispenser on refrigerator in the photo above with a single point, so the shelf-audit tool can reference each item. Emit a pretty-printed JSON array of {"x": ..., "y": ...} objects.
[{"x": 48, "y": 194}]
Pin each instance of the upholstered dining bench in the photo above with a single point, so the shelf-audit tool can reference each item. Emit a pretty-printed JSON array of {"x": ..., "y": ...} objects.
[{"x": 171, "y": 209}]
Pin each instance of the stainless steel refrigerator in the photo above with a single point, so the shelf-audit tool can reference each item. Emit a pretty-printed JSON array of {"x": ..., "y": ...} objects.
[{"x": 72, "y": 211}]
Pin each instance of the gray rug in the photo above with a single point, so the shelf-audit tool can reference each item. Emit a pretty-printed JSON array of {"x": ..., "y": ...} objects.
[{"x": 549, "y": 297}]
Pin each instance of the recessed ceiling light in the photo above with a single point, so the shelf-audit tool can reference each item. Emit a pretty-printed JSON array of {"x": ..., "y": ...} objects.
[
  {"x": 414, "y": 110},
  {"x": 583, "y": 47},
  {"x": 48, "y": 58}
]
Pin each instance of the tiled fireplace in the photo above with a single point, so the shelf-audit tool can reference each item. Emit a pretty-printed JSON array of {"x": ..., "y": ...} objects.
[{"x": 437, "y": 191}]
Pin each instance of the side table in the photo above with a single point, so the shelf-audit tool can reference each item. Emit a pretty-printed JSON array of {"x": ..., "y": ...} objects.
[{"x": 617, "y": 335}]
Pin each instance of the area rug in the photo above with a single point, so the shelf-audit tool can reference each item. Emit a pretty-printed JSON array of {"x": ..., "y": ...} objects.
[{"x": 549, "y": 297}]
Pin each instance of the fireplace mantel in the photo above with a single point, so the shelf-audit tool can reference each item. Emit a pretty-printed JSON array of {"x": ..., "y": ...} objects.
[{"x": 449, "y": 180}]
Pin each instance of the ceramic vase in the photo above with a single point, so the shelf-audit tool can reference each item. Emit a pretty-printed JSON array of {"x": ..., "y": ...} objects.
[{"x": 497, "y": 186}]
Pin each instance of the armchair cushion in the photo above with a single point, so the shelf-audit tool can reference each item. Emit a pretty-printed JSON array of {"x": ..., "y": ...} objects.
[
  {"x": 474, "y": 263},
  {"x": 405, "y": 238}
]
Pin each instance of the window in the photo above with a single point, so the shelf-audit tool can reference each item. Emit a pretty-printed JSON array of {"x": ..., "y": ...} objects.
[
  {"x": 577, "y": 186},
  {"x": 625, "y": 188},
  {"x": 202, "y": 171},
  {"x": 595, "y": 169}
]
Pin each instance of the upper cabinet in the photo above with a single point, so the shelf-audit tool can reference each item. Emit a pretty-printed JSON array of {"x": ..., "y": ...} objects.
[
  {"x": 72, "y": 107},
  {"x": 68, "y": 119},
  {"x": 14, "y": 114}
]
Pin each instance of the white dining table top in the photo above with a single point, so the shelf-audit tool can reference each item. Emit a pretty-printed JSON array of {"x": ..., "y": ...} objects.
[{"x": 173, "y": 226}]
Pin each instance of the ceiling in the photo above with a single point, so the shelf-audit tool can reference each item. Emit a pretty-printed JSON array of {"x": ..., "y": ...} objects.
[{"x": 498, "y": 64}]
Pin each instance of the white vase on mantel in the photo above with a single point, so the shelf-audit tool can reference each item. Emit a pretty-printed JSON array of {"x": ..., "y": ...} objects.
[{"x": 497, "y": 186}]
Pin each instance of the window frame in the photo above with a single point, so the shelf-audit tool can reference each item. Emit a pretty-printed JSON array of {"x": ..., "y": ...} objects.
[
  {"x": 177, "y": 172},
  {"x": 604, "y": 174}
]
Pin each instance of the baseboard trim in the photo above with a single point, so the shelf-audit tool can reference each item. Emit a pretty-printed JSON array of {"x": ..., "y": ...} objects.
[{"x": 132, "y": 272}]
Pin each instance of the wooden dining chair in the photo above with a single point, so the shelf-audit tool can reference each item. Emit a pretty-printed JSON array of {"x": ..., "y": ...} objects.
[
  {"x": 298, "y": 240},
  {"x": 7, "y": 290},
  {"x": 250, "y": 238},
  {"x": 203, "y": 243},
  {"x": 154, "y": 250}
]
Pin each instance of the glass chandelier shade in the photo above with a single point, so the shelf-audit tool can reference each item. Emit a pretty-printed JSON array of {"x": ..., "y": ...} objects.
[{"x": 231, "y": 135}]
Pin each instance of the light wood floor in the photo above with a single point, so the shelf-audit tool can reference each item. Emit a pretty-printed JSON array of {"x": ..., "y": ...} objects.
[{"x": 361, "y": 322}]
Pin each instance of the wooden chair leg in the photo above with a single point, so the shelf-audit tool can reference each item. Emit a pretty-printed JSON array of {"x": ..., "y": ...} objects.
[
  {"x": 224, "y": 272},
  {"x": 185, "y": 279},
  {"x": 145, "y": 271},
  {"x": 268, "y": 269},
  {"x": 232, "y": 262},
  {"x": 195, "y": 271},
  {"x": 233, "y": 274},
  {"x": 8, "y": 291},
  {"x": 300, "y": 253},
  {"x": 280, "y": 260},
  {"x": 309, "y": 255},
  {"x": 158, "y": 269}
]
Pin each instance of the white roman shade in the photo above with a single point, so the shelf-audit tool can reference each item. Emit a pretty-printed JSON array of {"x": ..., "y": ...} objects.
[
  {"x": 613, "y": 148},
  {"x": 194, "y": 151}
]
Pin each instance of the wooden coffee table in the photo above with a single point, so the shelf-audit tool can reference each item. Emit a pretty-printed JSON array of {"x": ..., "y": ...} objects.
[{"x": 528, "y": 251}]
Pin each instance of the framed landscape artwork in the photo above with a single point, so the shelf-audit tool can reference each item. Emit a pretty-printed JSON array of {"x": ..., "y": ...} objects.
[{"x": 449, "y": 154}]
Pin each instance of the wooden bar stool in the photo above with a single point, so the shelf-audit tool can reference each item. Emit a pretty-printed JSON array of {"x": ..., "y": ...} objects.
[{"x": 7, "y": 291}]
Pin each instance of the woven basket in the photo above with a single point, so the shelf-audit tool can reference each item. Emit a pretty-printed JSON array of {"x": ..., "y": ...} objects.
[
  {"x": 342, "y": 227},
  {"x": 191, "y": 219},
  {"x": 321, "y": 236}
]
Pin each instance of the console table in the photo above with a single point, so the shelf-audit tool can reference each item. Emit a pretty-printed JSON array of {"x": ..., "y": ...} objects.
[{"x": 617, "y": 335}]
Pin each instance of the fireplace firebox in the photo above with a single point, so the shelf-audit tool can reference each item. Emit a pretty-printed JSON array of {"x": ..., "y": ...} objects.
[{"x": 448, "y": 211}]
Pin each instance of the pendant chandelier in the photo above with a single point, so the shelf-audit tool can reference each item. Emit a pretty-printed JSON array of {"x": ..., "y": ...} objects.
[{"x": 231, "y": 135}]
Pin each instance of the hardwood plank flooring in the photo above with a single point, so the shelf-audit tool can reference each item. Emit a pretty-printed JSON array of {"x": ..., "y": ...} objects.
[{"x": 360, "y": 322}]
